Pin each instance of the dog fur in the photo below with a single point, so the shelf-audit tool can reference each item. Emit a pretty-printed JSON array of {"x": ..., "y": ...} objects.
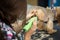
[
  {"x": 44, "y": 15},
  {"x": 58, "y": 14}
]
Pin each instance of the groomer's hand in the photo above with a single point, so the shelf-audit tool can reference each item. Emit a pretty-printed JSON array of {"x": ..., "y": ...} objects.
[{"x": 31, "y": 31}]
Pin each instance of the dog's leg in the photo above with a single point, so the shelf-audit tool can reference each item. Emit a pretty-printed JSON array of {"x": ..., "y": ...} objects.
[{"x": 49, "y": 27}]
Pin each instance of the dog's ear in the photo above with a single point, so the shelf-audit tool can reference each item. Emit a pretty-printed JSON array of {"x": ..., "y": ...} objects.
[
  {"x": 58, "y": 14},
  {"x": 58, "y": 18}
]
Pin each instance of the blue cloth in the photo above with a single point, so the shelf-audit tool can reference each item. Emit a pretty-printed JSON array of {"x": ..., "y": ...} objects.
[{"x": 56, "y": 4}]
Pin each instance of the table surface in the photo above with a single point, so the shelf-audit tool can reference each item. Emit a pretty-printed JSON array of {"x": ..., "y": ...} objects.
[{"x": 42, "y": 35}]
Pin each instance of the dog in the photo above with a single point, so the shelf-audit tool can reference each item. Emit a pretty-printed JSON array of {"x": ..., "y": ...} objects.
[{"x": 44, "y": 15}]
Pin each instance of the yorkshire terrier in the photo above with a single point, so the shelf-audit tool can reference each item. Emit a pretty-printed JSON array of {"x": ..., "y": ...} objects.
[{"x": 44, "y": 15}]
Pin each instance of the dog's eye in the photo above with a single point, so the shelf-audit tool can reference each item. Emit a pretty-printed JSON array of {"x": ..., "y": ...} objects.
[{"x": 45, "y": 22}]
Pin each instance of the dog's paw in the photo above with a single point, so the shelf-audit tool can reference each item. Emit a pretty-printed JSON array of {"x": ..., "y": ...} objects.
[{"x": 52, "y": 31}]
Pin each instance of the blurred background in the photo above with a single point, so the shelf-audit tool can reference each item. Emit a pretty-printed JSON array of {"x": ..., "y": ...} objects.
[{"x": 44, "y": 3}]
